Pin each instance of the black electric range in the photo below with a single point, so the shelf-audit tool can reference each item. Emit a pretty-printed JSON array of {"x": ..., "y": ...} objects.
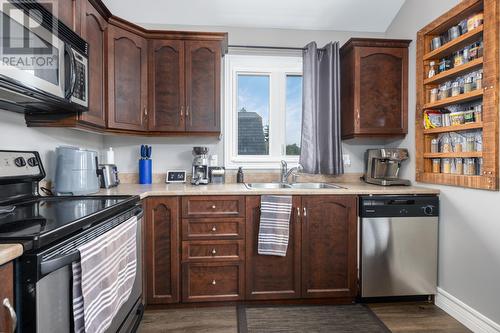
[{"x": 51, "y": 230}]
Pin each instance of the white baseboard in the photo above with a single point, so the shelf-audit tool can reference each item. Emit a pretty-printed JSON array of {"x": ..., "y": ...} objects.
[{"x": 468, "y": 316}]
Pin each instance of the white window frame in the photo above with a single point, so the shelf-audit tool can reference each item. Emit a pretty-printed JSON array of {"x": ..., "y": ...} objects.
[{"x": 278, "y": 68}]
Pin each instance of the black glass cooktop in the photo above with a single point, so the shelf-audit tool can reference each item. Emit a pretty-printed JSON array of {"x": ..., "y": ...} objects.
[{"x": 41, "y": 221}]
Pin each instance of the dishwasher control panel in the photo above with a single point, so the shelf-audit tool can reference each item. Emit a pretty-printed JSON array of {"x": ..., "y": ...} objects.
[{"x": 399, "y": 206}]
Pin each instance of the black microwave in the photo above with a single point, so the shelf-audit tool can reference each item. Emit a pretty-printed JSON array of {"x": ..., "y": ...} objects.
[{"x": 43, "y": 63}]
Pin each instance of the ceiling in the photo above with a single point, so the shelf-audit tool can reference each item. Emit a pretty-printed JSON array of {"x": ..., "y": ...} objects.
[{"x": 342, "y": 15}]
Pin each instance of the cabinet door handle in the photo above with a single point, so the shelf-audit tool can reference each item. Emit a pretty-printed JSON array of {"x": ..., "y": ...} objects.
[
  {"x": 146, "y": 112},
  {"x": 298, "y": 211},
  {"x": 214, "y": 229},
  {"x": 214, "y": 282},
  {"x": 12, "y": 313},
  {"x": 214, "y": 251},
  {"x": 213, "y": 207},
  {"x": 187, "y": 111},
  {"x": 182, "y": 110},
  {"x": 305, "y": 211}
]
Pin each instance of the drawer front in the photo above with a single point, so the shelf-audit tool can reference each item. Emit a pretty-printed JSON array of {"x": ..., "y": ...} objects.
[
  {"x": 204, "y": 282},
  {"x": 213, "y": 206},
  {"x": 213, "y": 229},
  {"x": 213, "y": 250}
]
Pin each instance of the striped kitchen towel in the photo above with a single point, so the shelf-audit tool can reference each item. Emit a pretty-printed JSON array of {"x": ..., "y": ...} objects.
[
  {"x": 275, "y": 211},
  {"x": 104, "y": 276}
]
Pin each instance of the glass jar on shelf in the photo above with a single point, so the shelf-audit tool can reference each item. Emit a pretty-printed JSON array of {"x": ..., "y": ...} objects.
[
  {"x": 478, "y": 113},
  {"x": 469, "y": 167},
  {"x": 479, "y": 166},
  {"x": 478, "y": 83},
  {"x": 468, "y": 85},
  {"x": 432, "y": 70},
  {"x": 457, "y": 145},
  {"x": 446, "y": 165},
  {"x": 434, "y": 146},
  {"x": 459, "y": 166},
  {"x": 446, "y": 144},
  {"x": 444, "y": 91},
  {"x": 433, "y": 95},
  {"x": 470, "y": 144},
  {"x": 478, "y": 140},
  {"x": 436, "y": 165},
  {"x": 455, "y": 89}
]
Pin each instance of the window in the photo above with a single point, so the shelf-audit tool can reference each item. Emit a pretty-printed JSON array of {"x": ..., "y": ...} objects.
[{"x": 263, "y": 117}]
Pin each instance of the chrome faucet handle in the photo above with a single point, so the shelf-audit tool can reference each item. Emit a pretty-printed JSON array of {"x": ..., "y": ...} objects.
[{"x": 283, "y": 171}]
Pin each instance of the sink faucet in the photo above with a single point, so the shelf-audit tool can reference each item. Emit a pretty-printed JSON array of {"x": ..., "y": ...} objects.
[{"x": 285, "y": 173}]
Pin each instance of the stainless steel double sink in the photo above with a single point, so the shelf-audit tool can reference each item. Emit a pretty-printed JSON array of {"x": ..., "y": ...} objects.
[{"x": 303, "y": 186}]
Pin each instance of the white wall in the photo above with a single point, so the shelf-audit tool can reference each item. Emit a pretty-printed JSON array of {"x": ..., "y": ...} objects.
[
  {"x": 15, "y": 135},
  {"x": 469, "y": 248},
  {"x": 172, "y": 153}
]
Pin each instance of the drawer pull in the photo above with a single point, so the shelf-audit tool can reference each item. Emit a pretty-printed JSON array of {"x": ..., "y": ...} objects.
[
  {"x": 213, "y": 206},
  {"x": 12, "y": 313},
  {"x": 214, "y": 229},
  {"x": 214, "y": 282},
  {"x": 214, "y": 251}
]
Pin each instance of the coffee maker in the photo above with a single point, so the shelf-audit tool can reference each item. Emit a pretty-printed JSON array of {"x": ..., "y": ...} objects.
[
  {"x": 382, "y": 166},
  {"x": 200, "y": 166}
]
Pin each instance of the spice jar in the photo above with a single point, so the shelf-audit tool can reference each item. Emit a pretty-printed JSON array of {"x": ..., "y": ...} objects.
[
  {"x": 469, "y": 166},
  {"x": 458, "y": 59},
  {"x": 478, "y": 139},
  {"x": 470, "y": 144},
  {"x": 455, "y": 89},
  {"x": 454, "y": 32},
  {"x": 435, "y": 43},
  {"x": 434, "y": 95},
  {"x": 457, "y": 145},
  {"x": 459, "y": 166},
  {"x": 444, "y": 91},
  {"x": 478, "y": 113},
  {"x": 446, "y": 165},
  {"x": 432, "y": 70},
  {"x": 480, "y": 166},
  {"x": 479, "y": 81},
  {"x": 434, "y": 146},
  {"x": 446, "y": 145},
  {"x": 468, "y": 85},
  {"x": 436, "y": 165}
]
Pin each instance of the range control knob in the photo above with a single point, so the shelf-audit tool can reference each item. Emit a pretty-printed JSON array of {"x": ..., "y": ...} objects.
[
  {"x": 428, "y": 210},
  {"x": 20, "y": 161},
  {"x": 32, "y": 162}
]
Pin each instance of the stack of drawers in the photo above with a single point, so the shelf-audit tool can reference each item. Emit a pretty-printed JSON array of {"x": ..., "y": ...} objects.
[{"x": 213, "y": 248}]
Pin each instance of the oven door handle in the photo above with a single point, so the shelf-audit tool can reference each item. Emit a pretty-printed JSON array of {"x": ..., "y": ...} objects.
[{"x": 51, "y": 265}]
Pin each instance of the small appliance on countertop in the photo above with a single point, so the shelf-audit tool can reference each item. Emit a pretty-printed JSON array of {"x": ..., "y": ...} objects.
[
  {"x": 382, "y": 166},
  {"x": 76, "y": 171},
  {"x": 217, "y": 175},
  {"x": 108, "y": 175},
  {"x": 176, "y": 176},
  {"x": 200, "y": 166}
]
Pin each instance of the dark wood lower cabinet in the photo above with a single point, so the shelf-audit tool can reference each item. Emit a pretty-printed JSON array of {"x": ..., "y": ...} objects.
[
  {"x": 329, "y": 246},
  {"x": 219, "y": 259},
  {"x": 212, "y": 281},
  {"x": 162, "y": 250},
  {"x": 6, "y": 292},
  {"x": 271, "y": 277}
]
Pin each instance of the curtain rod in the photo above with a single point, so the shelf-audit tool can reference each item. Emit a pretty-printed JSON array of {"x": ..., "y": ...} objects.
[{"x": 268, "y": 47}]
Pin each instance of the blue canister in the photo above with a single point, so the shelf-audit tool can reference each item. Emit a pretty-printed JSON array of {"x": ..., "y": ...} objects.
[{"x": 145, "y": 171}]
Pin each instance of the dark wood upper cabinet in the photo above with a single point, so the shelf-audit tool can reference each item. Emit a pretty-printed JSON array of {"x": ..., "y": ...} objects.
[
  {"x": 162, "y": 249},
  {"x": 272, "y": 277},
  {"x": 329, "y": 239},
  {"x": 93, "y": 28},
  {"x": 374, "y": 88},
  {"x": 203, "y": 61},
  {"x": 127, "y": 80},
  {"x": 166, "y": 85}
]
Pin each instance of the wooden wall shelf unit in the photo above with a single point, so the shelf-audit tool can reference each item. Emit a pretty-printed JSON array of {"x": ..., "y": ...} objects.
[{"x": 487, "y": 95}]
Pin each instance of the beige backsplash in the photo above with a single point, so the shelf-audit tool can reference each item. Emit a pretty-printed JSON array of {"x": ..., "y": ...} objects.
[{"x": 252, "y": 176}]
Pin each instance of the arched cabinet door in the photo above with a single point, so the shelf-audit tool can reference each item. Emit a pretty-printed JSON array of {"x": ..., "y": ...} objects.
[
  {"x": 127, "y": 80},
  {"x": 203, "y": 61},
  {"x": 93, "y": 29},
  {"x": 329, "y": 238},
  {"x": 161, "y": 250},
  {"x": 166, "y": 59}
]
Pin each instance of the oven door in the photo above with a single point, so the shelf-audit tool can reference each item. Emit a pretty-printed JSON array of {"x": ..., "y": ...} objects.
[
  {"x": 31, "y": 55},
  {"x": 47, "y": 305}
]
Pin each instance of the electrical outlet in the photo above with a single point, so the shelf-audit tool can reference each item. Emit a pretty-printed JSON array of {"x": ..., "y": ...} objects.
[{"x": 347, "y": 160}]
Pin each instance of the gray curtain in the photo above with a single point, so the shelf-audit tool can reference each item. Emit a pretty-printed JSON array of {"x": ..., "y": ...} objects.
[{"x": 321, "y": 145}]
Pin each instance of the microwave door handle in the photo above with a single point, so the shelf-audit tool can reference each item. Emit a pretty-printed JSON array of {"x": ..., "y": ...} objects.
[{"x": 72, "y": 68}]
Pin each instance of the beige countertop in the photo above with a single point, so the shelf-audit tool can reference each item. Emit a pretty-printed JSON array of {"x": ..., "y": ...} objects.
[
  {"x": 353, "y": 188},
  {"x": 9, "y": 252}
]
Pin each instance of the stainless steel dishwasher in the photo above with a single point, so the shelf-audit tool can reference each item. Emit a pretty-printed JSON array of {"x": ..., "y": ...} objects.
[{"x": 398, "y": 245}]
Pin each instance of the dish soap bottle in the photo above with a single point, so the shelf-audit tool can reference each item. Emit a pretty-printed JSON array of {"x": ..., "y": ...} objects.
[{"x": 240, "y": 176}]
